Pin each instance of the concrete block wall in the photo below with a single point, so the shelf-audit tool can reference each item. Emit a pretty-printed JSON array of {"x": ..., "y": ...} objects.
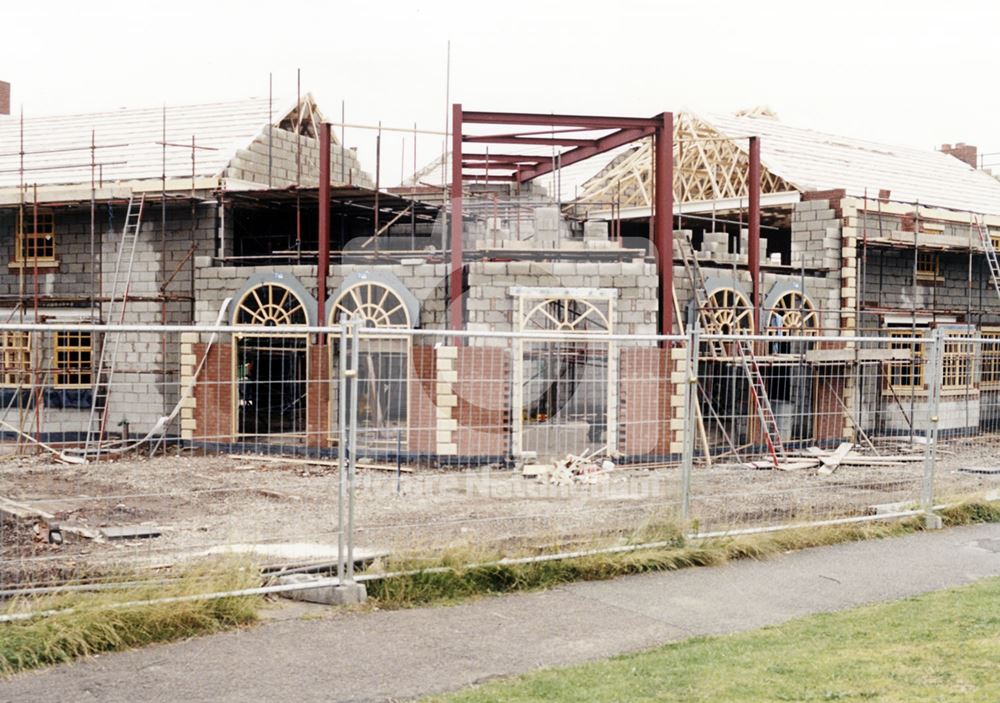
[
  {"x": 146, "y": 381},
  {"x": 888, "y": 282},
  {"x": 491, "y": 307},
  {"x": 280, "y": 158},
  {"x": 816, "y": 235},
  {"x": 213, "y": 284}
]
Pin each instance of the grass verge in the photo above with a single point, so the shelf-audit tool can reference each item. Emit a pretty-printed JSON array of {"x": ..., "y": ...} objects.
[
  {"x": 460, "y": 582},
  {"x": 941, "y": 646},
  {"x": 93, "y": 624}
]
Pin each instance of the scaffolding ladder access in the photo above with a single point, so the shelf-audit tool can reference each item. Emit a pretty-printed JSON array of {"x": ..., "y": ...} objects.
[
  {"x": 758, "y": 387},
  {"x": 117, "y": 302},
  {"x": 991, "y": 253}
]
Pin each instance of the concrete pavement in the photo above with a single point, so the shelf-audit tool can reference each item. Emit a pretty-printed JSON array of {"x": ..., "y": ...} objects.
[{"x": 393, "y": 655}]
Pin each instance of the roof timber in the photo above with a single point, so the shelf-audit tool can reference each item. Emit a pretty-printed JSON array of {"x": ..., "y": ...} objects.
[{"x": 708, "y": 167}]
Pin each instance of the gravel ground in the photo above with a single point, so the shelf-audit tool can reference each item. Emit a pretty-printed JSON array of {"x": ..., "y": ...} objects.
[{"x": 201, "y": 503}]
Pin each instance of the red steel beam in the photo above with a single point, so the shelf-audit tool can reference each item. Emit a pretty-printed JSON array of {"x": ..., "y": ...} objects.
[
  {"x": 544, "y": 141},
  {"x": 504, "y": 158},
  {"x": 599, "y": 146},
  {"x": 753, "y": 235},
  {"x": 663, "y": 214},
  {"x": 323, "y": 264},
  {"x": 455, "y": 276},
  {"x": 538, "y": 119},
  {"x": 490, "y": 178}
]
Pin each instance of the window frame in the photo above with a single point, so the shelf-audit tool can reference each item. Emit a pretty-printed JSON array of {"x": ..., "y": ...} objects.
[
  {"x": 15, "y": 358},
  {"x": 958, "y": 360},
  {"x": 912, "y": 369},
  {"x": 989, "y": 364},
  {"x": 929, "y": 274},
  {"x": 26, "y": 216},
  {"x": 70, "y": 373}
]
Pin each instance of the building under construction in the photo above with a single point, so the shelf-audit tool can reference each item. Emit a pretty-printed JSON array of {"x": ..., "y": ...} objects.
[{"x": 737, "y": 224}]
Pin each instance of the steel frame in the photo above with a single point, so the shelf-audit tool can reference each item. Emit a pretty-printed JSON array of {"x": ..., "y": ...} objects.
[{"x": 521, "y": 168}]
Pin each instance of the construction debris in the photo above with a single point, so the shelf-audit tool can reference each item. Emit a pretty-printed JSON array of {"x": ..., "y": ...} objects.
[
  {"x": 585, "y": 468},
  {"x": 830, "y": 463},
  {"x": 827, "y": 462}
]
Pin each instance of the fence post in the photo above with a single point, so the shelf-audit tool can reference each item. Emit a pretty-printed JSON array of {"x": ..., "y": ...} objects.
[
  {"x": 934, "y": 370},
  {"x": 690, "y": 430},
  {"x": 352, "y": 443},
  {"x": 342, "y": 450}
]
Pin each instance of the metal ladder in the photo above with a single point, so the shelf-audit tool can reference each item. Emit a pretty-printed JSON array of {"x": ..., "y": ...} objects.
[
  {"x": 758, "y": 389},
  {"x": 991, "y": 253},
  {"x": 97, "y": 423}
]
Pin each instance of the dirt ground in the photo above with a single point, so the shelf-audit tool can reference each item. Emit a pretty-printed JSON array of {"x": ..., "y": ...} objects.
[{"x": 201, "y": 504}]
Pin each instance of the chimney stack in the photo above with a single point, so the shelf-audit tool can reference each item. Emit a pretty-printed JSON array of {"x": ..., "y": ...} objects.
[
  {"x": 963, "y": 152},
  {"x": 4, "y": 98}
]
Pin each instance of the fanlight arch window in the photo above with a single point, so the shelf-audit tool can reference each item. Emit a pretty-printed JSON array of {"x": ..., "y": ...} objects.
[
  {"x": 726, "y": 311},
  {"x": 376, "y": 303},
  {"x": 566, "y": 315},
  {"x": 271, "y": 305},
  {"x": 792, "y": 313}
]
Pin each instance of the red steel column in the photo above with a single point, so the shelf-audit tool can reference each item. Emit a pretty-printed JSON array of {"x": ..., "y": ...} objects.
[
  {"x": 753, "y": 235},
  {"x": 323, "y": 264},
  {"x": 663, "y": 200},
  {"x": 455, "y": 280}
]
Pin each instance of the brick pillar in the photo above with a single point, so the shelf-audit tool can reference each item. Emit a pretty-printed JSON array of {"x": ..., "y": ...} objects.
[
  {"x": 446, "y": 401},
  {"x": 319, "y": 426},
  {"x": 421, "y": 413},
  {"x": 482, "y": 415},
  {"x": 212, "y": 412}
]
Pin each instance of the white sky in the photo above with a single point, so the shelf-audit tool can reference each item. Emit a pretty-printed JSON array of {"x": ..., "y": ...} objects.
[{"x": 914, "y": 73}]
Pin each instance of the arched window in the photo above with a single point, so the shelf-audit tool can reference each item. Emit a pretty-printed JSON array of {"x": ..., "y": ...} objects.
[
  {"x": 791, "y": 313},
  {"x": 564, "y": 387},
  {"x": 562, "y": 314},
  {"x": 270, "y": 305},
  {"x": 271, "y": 369},
  {"x": 376, "y": 303},
  {"x": 726, "y": 311},
  {"x": 382, "y": 302}
]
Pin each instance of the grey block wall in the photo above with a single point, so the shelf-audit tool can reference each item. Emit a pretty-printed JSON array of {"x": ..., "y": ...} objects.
[
  {"x": 279, "y": 158},
  {"x": 816, "y": 231},
  {"x": 146, "y": 377},
  {"x": 491, "y": 307},
  {"x": 888, "y": 283},
  {"x": 424, "y": 280}
]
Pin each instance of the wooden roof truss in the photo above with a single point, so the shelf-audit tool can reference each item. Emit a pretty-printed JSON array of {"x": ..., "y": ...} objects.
[{"x": 708, "y": 166}]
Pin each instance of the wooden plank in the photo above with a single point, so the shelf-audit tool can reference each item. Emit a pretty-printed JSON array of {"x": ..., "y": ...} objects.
[
  {"x": 831, "y": 462},
  {"x": 315, "y": 462}
]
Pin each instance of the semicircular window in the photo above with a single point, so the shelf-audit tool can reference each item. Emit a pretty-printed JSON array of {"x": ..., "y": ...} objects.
[
  {"x": 377, "y": 304},
  {"x": 271, "y": 305}
]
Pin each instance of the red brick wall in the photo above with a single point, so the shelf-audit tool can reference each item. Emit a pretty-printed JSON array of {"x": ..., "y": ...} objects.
[
  {"x": 213, "y": 394},
  {"x": 644, "y": 410},
  {"x": 420, "y": 400},
  {"x": 318, "y": 422},
  {"x": 483, "y": 391},
  {"x": 828, "y": 423}
]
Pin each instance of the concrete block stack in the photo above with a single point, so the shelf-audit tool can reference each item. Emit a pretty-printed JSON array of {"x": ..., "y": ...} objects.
[
  {"x": 547, "y": 221},
  {"x": 816, "y": 235},
  {"x": 595, "y": 234}
]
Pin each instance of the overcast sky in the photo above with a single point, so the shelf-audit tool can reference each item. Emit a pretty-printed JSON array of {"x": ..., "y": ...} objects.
[{"x": 916, "y": 73}]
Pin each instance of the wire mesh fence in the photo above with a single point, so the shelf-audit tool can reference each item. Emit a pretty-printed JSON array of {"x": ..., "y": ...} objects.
[{"x": 293, "y": 445}]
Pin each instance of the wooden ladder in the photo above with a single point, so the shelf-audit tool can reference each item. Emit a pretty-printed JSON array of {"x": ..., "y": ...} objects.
[
  {"x": 120, "y": 286},
  {"x": 758, "y": 394}
]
